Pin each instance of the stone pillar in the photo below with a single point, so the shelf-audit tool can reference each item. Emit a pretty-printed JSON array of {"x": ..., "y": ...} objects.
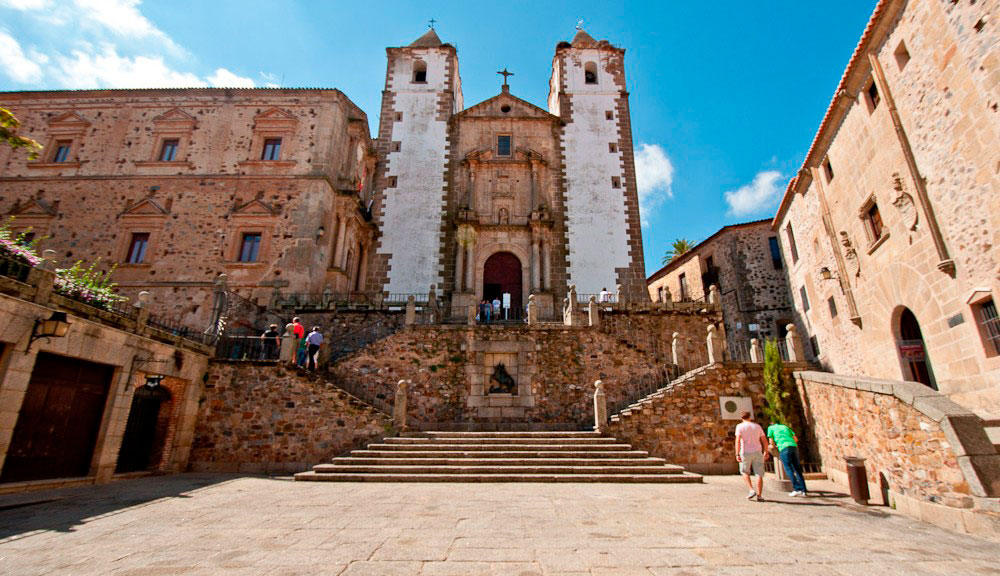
[
  {"x": 286, "y": 354},
  {"x": 362, "y": 268},
  {"x": 546, "y": 270},
  {"x": 572, "y": 298},
  {"x": 532, "y": 310},
  {"x": 794, "y": 345},
  {"x": 535, "y": 265},
  {"x": 327, "y": 296},
  {"x": 593, "y": 313},
  {"x": 432, "y": 303},
  {"x": 411, "y": 311},
  {"x": 399, "y": 407},
  {"x": 338, "y": 253},
  {"x": 600, "y": 408},
  {"x": 470, "y": 268},
  {"x": 533, "y": 195},
  {"x": 470, "y": 314},
  {"x": 109, "y": 437},
  {"x": 675, "y": 345},
  {"x": 459, "y": 267},
  {"x": 620, "y": 295},
  {"x": 755, "y": 353},
  {"x": 713, "y": 346},
  {"x": 713, "y": 294}
]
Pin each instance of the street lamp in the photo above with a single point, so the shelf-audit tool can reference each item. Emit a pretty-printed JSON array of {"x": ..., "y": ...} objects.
[{"x": 55, "y": 327}]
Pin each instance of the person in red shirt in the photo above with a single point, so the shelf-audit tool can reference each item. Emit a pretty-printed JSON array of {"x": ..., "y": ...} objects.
[{"x": 299, "y": 331}]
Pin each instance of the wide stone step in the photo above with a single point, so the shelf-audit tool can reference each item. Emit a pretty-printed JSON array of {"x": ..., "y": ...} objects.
[
  {"x": 429, "y": 447},
  {"x": 506, "y": 469},
  {"x": 500, "y": 453},
  {"x": 391, "y": 461},
  {"x": 464, "y": 435},
  {"x": 684, "y": 478},
  {"x": 540, "y": 440}
]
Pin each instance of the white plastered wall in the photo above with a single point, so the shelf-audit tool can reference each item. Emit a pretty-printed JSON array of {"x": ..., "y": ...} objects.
[
  {"x": 596, "y": 223},
  {"x": 413, "y": 209}
]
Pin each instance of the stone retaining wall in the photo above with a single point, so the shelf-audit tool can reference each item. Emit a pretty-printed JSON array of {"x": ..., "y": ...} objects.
[
  {"x": 685, "y": 425},
  {"x": 255, "y": 417},
  {"x": 918, "y": 443}
]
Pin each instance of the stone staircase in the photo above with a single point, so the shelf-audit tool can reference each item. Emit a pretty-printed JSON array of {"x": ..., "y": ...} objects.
[{"x": 499, "y": 457}]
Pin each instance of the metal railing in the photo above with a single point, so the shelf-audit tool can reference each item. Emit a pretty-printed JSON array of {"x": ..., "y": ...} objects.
[
  {"x": 403, "y": 297},
  {"x": 14, "y": 269},
  {"x": 351, "y": 342},
  {"x": 380, "y": 400},
  {"x": 607, "y": 298},
  {"x": 637, "y": 389},
  {"x": 247, "y": 348},
  {"x": 175, "y": 329}
]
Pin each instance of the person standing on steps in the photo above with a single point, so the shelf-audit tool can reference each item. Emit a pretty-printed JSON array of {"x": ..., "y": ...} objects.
[
  {"x": 783, "y": 438},
  {"x": 750, "y": 442},
  {"x": 299, "y": 331},
  {"x": 270, "y": 341},
  {"x": 314, "y": 340}
]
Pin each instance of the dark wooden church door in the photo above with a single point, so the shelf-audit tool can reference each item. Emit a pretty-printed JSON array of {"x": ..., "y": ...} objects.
[{"x": 502, "y": 274}]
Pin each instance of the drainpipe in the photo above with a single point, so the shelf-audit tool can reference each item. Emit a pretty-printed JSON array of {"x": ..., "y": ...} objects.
[
  {"x": 945, "y": 264},
  {"x": 831, "y": 234}
]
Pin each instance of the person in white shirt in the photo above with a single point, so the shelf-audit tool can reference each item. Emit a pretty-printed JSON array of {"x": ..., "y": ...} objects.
[
  {"x": 750, "y": 442},
  {"x": 605, "y": 296},
  {"x": 313, "y": 342}
]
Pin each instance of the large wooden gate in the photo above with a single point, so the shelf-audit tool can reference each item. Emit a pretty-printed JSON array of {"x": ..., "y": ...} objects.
[
  {"x": 140, "y": 437},
  {"x": 61, "y": 414}
]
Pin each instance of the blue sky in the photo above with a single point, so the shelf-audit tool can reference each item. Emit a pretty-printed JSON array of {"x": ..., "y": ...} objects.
[{"x": 726, "y": 96}]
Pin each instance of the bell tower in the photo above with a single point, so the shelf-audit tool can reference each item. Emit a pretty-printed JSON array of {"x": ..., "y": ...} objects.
[
  {"x": 587, "y": 91},
  {"x": 422, "y": 91}
]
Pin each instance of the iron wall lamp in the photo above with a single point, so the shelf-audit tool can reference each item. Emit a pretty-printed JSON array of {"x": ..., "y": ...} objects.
[{"x": 55, "y": 327}]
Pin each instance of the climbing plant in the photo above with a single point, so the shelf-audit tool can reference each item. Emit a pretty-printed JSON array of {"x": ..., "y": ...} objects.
[{"x": 776, "y": 393}]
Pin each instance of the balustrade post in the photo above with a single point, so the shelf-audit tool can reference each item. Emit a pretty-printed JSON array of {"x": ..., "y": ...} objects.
[
  {"x": 593, "y": 312},
  {"x": 532, "y": 310},
  {"x": 713, "y": 349},
  {"x": 142, "y": 311},
  {"x": 713, "y": 294},
  {"x": 411, "y": 311},
  {"x": 399, "y": 407},
  {"x": 794, "y": 345},
  {"x": 286, "y": 355},
  {"x": 675, "y": 344},
  {"x": 600, "y": 408},
  {"x": 620, "y": 295},
  {"x": 755, "y": 353}
]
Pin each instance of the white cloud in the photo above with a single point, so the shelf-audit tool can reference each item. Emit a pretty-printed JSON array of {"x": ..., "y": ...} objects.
[
  {"x": 225, "y": 79},
  {"x": 88, "y": 68},
  {"x": 757, "y": 197},
  {"x": 122, "y": 17},
  {"x": 654, "y": 178},
  {"x": 271, "y": 80},
  {"x": 15, "y": 63},
  {"x": 26, "y": 5}
]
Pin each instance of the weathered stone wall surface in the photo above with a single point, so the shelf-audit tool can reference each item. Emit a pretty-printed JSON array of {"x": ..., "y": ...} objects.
[
  {"x": 940, "y": 70},
  {"x": 650, "y": 330},
  {"x": 259, "y": 418},
  {"x": 197, "y": 207},
  {"x": 685, "y": 426},
  {"x": 927, "y": 447},
  {"x": 565, "y": 362}
]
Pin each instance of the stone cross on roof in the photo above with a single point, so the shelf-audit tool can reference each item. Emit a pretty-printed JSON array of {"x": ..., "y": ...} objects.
[
  {"x": 430, "y": 23},
  {"x": 505, "y": 74}
]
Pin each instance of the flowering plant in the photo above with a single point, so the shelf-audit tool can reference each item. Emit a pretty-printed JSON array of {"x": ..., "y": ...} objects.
[
  {"x": 17, "y": 246},
  {"x": 88, "y": 285}
]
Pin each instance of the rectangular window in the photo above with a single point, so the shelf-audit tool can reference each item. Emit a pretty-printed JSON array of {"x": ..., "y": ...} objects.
[
  {"x": 805, "y": 298},
  {"x": 772, "y": 242},
  {"x": 396, "y": 146},
  {"x": 616, "y": 182},
  {"x": 815, "y": 346},
  {"x": 272, "y": 149},
  {"x": 683, "y": 281},
  {"x": 833, "y": 307},
  {"x": 62, "y": 151},
  {"x": 612, "y": 147},
  {"x": 610, "y": 115},
  {"x": 250, "y": 247},
  {"x": 902, "y": 55},
  {"x": 137, "y": 248},
  {"x": 989, "y": 325},
  {"x": 659, "y": 294},
  {"x": 392, "y": 182},
  {"x": 399, "y": 116},
  {"x": 791, "y": 244},
  {"x": 503, "y": 145},
  {"x": 874, "y": 219},
  {"x": 828, "y": 169},
  {"x": 873, "y": 97},
  {"x": 168, "y": 152}
]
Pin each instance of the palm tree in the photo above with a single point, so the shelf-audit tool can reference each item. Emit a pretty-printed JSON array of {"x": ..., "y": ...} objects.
[{"x": 680, "y": 247}]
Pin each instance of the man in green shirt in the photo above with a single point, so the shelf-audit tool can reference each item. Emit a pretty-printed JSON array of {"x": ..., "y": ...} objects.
[{"x": 782, "y": 437}]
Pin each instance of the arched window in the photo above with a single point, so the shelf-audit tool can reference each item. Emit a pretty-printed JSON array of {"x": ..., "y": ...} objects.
[
  {"x": 419, "y": 71},
  {"x": 590, "y": 73}
]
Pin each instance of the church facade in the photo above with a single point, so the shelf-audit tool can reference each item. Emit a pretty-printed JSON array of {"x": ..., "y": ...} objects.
[{"x": 504, "y": 197}]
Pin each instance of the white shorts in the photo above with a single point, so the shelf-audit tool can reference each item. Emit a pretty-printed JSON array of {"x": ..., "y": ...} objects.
[{"x": 753, "y": 463}]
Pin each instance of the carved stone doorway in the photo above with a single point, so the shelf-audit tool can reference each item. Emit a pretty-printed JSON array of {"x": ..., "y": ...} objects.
[
  {"x": 913, "y": 351},
  {"x": 502, "y": 274}
]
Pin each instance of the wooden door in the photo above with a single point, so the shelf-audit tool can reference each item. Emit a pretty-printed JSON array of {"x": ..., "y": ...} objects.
[
  {"x": 140, "y": 430},
  {"x": 61, "y": 414}
]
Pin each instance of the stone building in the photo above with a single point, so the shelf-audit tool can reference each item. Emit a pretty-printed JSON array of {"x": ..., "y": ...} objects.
[
  {"x": 505, "y": 197},
  {"x": 745, "y": 262},
  {"x": 891, "y": 229},
  {"x": 270, "y": 187}
]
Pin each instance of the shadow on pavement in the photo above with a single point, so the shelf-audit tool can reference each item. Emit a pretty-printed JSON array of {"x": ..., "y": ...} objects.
[{"x": 63, "y": 509}]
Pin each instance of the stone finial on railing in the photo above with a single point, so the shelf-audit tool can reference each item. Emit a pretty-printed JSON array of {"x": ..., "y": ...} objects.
[
  {"x": 756, "y": 356},
  {"x": 713, "y": 345},
  {"x": 572, "y": 298},
  {"x": 532, "y": 310},
  {"x": 675, "y": 345},
  {"x": 593, "y": 313},
  {"x": 142, "y": 308},
  {"x": 399, "y": 406},
  {"x": 432, "y": 303},
  {"x": 411, "y": 310},
  {"x": 620, "y": 295},
  {"x": 286, "y": 355},
  {"x": 327, "y": 296},
  {"x": 667, "y": 296},
  {"x": 794, "y": 345},
  {"x": 600, "y": 408},
  {"x": 48, "y": 260},
  {"x": 713, "y": 294},
  {"x": 470, "y": 315}
]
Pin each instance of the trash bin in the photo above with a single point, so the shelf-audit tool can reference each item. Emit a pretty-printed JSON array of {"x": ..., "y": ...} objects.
[{"x": 857, "y": 477}]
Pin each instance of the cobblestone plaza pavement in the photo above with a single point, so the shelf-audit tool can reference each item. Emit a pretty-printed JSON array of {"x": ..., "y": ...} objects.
[{"x": 202, "y": 524}]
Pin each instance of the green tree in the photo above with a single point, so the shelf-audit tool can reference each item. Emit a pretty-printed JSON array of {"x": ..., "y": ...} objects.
[
  {"x": 680, "y": 247},
  {"x": 776, "y": 391},
  {"x": 8, "y": 134}
]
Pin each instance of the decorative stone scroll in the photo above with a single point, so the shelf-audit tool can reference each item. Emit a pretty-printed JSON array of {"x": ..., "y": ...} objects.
[
  {"x": 850, "y": 255},
  {"x": 904, "y": 203}
]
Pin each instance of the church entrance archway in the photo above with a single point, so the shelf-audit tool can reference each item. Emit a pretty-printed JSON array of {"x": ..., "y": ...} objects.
[
  {"x": 502, "y": 275},
  {"x": 912, "y": 351},
  {"x": 145, "y": 430}
]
